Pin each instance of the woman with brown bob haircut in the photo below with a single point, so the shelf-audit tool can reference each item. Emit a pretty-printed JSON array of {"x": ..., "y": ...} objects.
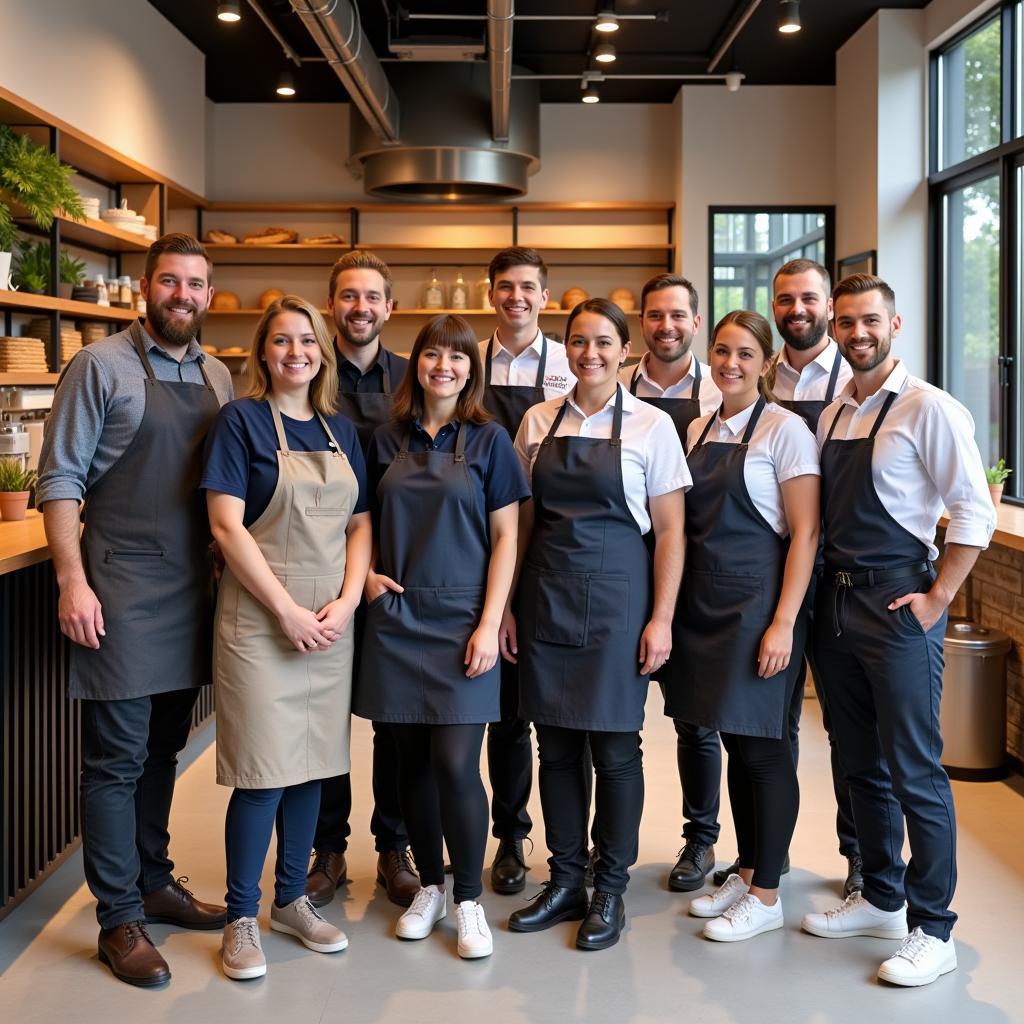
[{"x": 447, "y": 487}]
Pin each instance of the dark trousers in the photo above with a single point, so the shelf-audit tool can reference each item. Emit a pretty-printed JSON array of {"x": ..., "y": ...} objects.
[
  {"x": 444, "y": 802},
  {"x": 129, "y": 757},
  {"x": 699, "y": 758},
  {"x": 510, "y": 762},
  {"x": 883, "y": 683},
  {"x": 386, "y": 824},
  {"x": 765, "y": 799},
  {"x": 619, "y": 791},
  {"x": 252, "y": 814}
]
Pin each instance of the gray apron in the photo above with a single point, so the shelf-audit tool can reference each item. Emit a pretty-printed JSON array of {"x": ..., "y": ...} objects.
[
  {"x": 584, "y": 592},
  {"x": 433, "y": 538},
  {"x": 731, "y": 586},
  {"x": 368, "y": 409},
  {"x": 145, "y": 549}
]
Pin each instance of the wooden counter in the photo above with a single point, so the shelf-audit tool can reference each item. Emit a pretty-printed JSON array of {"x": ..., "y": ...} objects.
[
  {"x": 22, "y": 543},
  {"x": 1009, "y": 526}
]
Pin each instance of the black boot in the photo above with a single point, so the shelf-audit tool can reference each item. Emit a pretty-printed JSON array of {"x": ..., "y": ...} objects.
[
  {"x": 734, "y": 869},
  {"x": 604, "y": 922},
  {"x": 551, "y": 905},
  {"x": 508, "y": 872},
  {"x": 696, "y": 859},
  {"x": 854, "y": 875}
]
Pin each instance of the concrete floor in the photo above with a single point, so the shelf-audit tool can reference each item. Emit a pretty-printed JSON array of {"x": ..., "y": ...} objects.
[{"x": 661, "y": 971}]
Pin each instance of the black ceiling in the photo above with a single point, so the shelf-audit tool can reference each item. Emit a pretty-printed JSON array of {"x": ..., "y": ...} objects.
[{"x": 244, "y": 61}]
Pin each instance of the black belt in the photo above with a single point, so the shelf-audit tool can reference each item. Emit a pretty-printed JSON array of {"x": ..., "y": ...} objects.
[{"x": 874, "y": 577}]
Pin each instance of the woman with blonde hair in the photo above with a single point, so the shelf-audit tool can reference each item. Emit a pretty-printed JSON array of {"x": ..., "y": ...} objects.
[{"x": 286, "y": 493}]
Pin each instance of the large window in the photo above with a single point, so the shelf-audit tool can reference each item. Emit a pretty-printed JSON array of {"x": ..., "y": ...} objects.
[
  {"x": 977, "y": 189},
  {"x": 748, "y": 244}
]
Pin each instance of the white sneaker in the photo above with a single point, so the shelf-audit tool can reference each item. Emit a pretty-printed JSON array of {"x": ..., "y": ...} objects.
[
  {"x": 855, "y": 916},
  {"x": 718, "y": 902},
  {"x": 474, "y": 935},
  {"x": 747, "y": 917},
  {"x": 427, "y": 908},
  {"x": 919, "y": 961}
]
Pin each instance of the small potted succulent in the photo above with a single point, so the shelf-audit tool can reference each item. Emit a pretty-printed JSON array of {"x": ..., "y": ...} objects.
[
  {"x": 72, "y": 273},
  {"x": 15, "y": 488},
  {"x": 996, "y": 476}
]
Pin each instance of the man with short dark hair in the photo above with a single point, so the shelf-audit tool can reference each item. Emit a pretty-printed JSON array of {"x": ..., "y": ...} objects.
[
  {"x": 359, "y": 301},
  {"x": 125, "y": 435},
  {"x": 894, "y": 451}
]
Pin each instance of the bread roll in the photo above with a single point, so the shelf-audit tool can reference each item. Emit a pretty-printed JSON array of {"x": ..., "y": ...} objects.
[
  {"x": 223, "y": 302},
  {"x": 220, "y": 237},
  {"x": 271, "y": 236},
  {"x": 327, "y": 239},
  {"x": 269, "y": 296},
  {"x": 573, "y": 297},
  {"x": 624, "y": 299}
]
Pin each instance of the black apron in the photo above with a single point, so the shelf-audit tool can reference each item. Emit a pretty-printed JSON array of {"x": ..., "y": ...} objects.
[
  {"x": 508, "y": 403},
  {"x": 584, "y": 592},
  {"x": 145, "y": 549},
  {"x": 433, "y": 538},
  {"x": 683, "y": 411},
  {"x": 734, "y": 568},
  {"x": 810, "y": 411},
  {"x": 368, "y": 409}
]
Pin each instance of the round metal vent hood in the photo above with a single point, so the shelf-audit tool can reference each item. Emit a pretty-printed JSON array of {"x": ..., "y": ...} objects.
[{"x": 446, "y": 151}]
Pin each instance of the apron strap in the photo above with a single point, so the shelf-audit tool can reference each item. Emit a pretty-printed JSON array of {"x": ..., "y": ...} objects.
[
  {"x": 460, "y": 443},
  {"x": 487, "y": 362},
  {"x": 543, "y": 364},
  {"x": 886, "y": 406},
  {"x": 385, "y": 368},
  {"x": 633, "y": 381},
  {"x": 707, "y": 428},
  {"x": 140, "y": 347},
  {"x": 282, "y": 441},
  {"x": 833, "y": 377},
  {"x": 695, "y": 389},
  {"x": 835, "y": 422},
  {"x": 752, "y": 422},
  {"x": 616, "y": 439},
  {"x": 557, "y": 421},
  {"x": 330, "y": 434}
]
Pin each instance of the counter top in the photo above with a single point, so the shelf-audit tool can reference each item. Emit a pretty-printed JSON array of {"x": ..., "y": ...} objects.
[
  {"x": 1009, "y": 526},
  {"x": 22, "y": 543}
]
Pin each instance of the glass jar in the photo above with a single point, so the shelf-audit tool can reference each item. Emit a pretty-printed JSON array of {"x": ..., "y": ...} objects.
[{"x": 433, "y": 293}]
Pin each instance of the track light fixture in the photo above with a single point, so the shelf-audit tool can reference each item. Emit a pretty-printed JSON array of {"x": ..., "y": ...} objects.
[
  {"x": 590, "y": 95},
  {"x": 733, "y": 80},
  {"x": 604, "y": 53},
  {"x": 606, "y": 22},
  {"x": 229, "y": 11},
  {"x": 286, "y": 84},
  {"x": 789, "y": 16}
]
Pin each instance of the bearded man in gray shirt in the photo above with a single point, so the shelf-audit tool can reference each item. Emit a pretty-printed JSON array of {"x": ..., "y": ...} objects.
[{"x": 125, "y": 436}]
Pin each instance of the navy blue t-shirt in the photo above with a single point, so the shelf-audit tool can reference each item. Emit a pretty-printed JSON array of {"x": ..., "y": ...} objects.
[
  {"x": 493, "y": 463},
  {"x": 241, "y": 452}
]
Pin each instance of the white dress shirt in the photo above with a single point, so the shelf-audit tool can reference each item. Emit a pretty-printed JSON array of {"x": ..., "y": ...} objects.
[
  {"x": 780, "y": 449},
  {"x": 710, "y": 396},
  {"x": 521, "y": 370},
  {"x": 925, "y": 458},
  {"x": 652, "y": 457},
  {"x": 811, "y": 383}
]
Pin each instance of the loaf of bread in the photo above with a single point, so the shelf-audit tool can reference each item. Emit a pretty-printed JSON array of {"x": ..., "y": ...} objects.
[
  {"x": 271, "y": 236},
  {"x": 220, "y": 237},
  {"x": 624, "y": 299},
  {"x": 225, "y": 302},
  {"x": 327, "y": 239},
  {"x": 269, "y": 296}
]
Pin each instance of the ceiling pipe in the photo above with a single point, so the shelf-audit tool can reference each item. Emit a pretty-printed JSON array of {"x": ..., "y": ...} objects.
[
  {"x": 336, "y": 29},
  {"x": 499, "y": 58},
  {"x": 730, "y": 38}
]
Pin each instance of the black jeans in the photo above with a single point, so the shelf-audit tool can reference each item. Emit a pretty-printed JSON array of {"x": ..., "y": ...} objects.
[
  {"x": 564, "y": 797},
  {"x": 129, "y": 757},
  {"x": 699, "y": 759},
  {"x": 444, "y": 802},
  {"x": 386, "y": 824},
  {"x": 510, "y": 762}
]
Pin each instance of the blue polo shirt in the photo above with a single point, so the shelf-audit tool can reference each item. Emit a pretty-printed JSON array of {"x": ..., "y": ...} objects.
[{"x": 241, "y": 452}]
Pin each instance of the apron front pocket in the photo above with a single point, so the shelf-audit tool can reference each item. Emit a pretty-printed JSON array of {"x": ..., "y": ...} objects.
[
  {"x": 608, "y": 610},
  {"x": 561, "y": 608},
  {"x": 131, "y": 582}
]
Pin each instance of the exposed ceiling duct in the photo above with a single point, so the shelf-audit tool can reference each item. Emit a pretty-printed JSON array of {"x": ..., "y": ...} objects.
[{"x": 499, "y": 58}]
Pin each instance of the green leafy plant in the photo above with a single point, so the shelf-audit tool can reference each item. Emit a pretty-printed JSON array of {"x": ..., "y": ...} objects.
[
  {"x": 32, "y": 265},
  {"x": 998, "y": 473},
  {"x": 33, "y": 178},
  {"x": 14, "y": 478},
  {"x": 72, "y": 270}
]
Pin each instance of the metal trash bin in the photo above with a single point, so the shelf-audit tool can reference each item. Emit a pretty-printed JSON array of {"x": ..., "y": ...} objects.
[{"x": 973, "y": 713}]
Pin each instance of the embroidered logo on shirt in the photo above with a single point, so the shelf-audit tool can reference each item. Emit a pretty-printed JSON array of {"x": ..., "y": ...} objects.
[{"x": 556, "y": 382}]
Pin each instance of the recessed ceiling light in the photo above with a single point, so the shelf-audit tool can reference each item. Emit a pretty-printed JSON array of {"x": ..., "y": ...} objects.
[
  {"x": 229, "y": 11},
  {"x": 604, "y": 53},
  {"x": 606, "y": 22},
  {"x": 286, "y": 84},
  {"x": 789, "y": 16}
]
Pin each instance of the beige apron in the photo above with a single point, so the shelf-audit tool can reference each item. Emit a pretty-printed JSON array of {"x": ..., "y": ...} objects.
[{"x": 283, "y": 716}]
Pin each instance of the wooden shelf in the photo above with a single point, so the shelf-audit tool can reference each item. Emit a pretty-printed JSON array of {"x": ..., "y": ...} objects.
[
  {"x": 337, "y": 247},
  {"x": 27, "y": 380},
  {"x": 102, "y": 235},
  {"x": 405, "y": 311},
  {"x": 526, "y": 207},
  {"x": 68, "y": 307}
]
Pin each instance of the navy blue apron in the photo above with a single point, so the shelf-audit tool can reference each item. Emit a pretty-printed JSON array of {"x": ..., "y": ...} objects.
[
  {"x": 810, "y": 410},
  {"x": 683, "y": 411},
  {"x": 508, "y": 403}
]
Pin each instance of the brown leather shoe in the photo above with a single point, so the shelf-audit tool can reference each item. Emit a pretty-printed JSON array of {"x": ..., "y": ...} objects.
[
  {"x": 397, "y": 873},
  {"x": 129, "y": 952},
  {"x": 327, "y": 873},
  {"x": 174, "y": 904}
]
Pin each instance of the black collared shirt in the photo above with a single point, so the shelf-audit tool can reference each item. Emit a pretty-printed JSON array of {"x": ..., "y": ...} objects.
[{"x": 352, "y": 379}]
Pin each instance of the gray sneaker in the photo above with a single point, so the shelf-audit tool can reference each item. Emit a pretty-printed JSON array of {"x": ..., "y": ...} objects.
[
  {"x": 241, "y": 952},
  {"x": 300, "y": 918}
]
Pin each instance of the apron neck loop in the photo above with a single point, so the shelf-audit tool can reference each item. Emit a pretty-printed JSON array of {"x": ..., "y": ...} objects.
[
  {"x": 140, "y": 347},
  {"x": 556, "y": 422},
  {"x": 886, "y": 406},
  {"x": 332, "y": 440},
  {"x": 835, "y": 422},
  {"x": 385, "y": 368},
  {"x": 695, "y": 390},
  {"x": 460, "y": 442},
  {"x": 752, "y": 422},
  {"x": 490, "y": 349},
  {"x": 707, "y": 427},
  {"x": 616, "y": 438},
  {"x": 282, "y": 441},
  {"x": 833, "y": 377},
  {"x": 635, "y": 379},
  {"x": 543, "y": 364}
]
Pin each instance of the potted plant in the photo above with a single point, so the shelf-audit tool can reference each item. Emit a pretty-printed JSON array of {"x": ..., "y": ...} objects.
[
  {"x": 31, "y": 177},
  {"x": 15, "y": 487},
  {"x": 32, "y": 266},
  {"x": 72, "y": 273},
  {"x": 996, "y": 476}
]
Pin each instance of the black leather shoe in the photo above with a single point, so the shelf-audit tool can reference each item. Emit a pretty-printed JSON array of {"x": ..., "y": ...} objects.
[
  {"x": 734, "y": 869},
  {"x": 854, "y": 875},
  {"x": 551, "y": 905},
  {"x": 588, "y": 878},
  {"x": 696, "y": 859},
  {"x": 604, "y": 922},
  {"x": 508, "y": 872}
]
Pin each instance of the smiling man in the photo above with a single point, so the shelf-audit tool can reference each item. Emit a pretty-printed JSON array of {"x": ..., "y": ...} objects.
[{"x": 125, "y": 436}]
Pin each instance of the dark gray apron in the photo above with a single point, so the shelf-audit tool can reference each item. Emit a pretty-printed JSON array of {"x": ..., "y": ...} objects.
[
  {"x": 508, "y": 403},
  {"x": 584, "y": 594},
  {"x": 368, "y": 409},
  {"x": 731, "y": 586},
  {"x": 810, "y": 411},
  {"x": 683, "y": 411},
  {"x": 433, "y": 538},
  {"x": 145, "y": 548}
]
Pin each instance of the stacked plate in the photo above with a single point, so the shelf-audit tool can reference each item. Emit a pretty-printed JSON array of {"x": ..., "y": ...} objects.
[
  {"x": 70, "y": 340},
  {"x": 22, "y": 355},
  {"x": 91, "y": 205}
]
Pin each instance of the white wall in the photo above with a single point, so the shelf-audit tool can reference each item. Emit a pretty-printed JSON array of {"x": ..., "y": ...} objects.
[{"x": 115, "y": 70}]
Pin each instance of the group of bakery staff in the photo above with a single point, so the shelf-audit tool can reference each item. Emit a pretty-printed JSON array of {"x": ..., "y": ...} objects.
[{"x": 493, "y": 534}]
